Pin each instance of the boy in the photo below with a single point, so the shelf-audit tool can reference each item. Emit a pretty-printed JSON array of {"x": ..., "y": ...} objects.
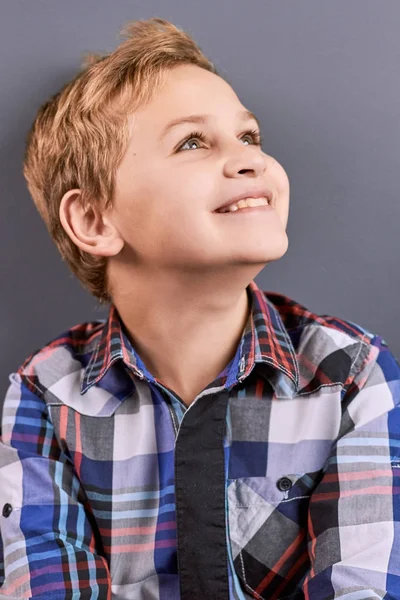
[{"x": 208, "y": 439}]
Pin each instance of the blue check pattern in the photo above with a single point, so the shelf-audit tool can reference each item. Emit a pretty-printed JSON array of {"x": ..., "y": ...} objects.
[{"x": 280, "y": 481}]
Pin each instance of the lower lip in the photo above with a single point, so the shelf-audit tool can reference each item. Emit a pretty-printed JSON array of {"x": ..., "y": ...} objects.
[{"x": 248, "y": 210}]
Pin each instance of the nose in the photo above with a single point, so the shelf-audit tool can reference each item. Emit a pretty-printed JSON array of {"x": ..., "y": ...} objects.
[{"x": 246, "y": 160}]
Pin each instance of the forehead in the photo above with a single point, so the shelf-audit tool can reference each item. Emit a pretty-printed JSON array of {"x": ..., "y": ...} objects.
[{"x": 187, "y": 90}]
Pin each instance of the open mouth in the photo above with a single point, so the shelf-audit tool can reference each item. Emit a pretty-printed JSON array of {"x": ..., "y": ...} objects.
[{"x": 249, "y": 205}]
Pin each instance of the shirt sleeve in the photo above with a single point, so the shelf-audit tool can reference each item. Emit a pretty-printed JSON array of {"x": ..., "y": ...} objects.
[
  {"x": 47, "y": 546},
  {"x": 354, "y": 512}
]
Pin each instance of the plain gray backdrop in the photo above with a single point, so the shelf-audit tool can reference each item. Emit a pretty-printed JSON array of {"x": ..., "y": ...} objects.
[{"x": 323, "y": 78}]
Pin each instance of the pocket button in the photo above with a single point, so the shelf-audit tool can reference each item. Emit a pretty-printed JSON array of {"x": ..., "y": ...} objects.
[
  {"x": 7, "y": 510},
  {"x": 284, "y": 484}
]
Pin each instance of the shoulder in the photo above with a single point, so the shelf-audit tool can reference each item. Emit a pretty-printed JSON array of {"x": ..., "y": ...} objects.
[
  {"x": 67, "y": 353},
  {"x": 297, "y": 316},
  {"x": 328, "y": 344}
]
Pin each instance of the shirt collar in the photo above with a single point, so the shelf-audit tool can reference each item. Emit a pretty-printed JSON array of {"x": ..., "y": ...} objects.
[{"x": 265, "y": 340}]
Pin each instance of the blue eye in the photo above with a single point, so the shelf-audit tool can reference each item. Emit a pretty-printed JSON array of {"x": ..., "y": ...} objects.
[{"x": 253, "y": 133}]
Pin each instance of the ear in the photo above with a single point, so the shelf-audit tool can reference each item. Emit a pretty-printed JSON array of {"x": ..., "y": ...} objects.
[{"x": 87, "y": 228}]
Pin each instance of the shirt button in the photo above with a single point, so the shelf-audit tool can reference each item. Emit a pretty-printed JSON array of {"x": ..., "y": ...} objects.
[
  {"x": 284, "y": 484},
  {"x": 7, "y": 510}
]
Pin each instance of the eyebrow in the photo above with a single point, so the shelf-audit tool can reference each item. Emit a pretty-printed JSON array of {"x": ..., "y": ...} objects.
[{"x": 244, "y": 115}]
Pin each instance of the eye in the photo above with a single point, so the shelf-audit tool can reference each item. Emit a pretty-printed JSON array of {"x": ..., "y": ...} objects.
[
  {"x": 194, "y": 135},
  {"x": 255, "y": 136},
  {"x": 253, "y": 133}
]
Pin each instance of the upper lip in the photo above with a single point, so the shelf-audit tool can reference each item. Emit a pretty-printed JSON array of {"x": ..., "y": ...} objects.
[{"x": 255, "y": 193}]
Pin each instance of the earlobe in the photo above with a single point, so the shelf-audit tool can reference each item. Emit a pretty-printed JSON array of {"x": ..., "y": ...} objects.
[{"x": 107, "y": 247}]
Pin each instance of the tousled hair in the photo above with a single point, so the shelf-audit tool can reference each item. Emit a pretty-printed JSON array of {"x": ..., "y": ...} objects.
[{"x": 80, "y": 134}]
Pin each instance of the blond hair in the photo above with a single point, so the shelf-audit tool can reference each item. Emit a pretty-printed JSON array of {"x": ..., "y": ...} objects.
[{"x": 80, "y": 134}]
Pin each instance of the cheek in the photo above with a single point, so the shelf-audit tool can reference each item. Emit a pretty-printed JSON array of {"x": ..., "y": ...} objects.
[
  {"x": 190, "y": 178},
  {"x": 164, "y": 223},
  {"x": 283, "y": 214},
  {"x": 282, "y": 186},
  {"x": 172, "y": 198}
]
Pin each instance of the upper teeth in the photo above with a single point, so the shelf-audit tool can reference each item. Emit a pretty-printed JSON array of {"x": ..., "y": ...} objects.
[{"x": 244, "y": 204}]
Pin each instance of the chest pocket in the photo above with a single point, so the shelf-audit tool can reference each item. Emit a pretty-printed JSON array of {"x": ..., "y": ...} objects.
[{"x": 268, "y": 532}]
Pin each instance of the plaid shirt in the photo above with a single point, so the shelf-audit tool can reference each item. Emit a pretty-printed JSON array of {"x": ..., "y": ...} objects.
[{"x": 281, "y": 479}]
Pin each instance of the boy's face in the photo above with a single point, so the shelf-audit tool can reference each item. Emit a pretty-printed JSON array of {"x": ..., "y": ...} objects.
[{"x": 165, "y": 197}]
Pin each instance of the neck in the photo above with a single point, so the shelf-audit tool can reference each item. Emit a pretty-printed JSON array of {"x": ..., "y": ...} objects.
[{"x": 185, "y": 335}]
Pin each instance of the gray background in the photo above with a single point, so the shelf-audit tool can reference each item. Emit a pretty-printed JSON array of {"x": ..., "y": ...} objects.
[{"x": 323, "y": 78}]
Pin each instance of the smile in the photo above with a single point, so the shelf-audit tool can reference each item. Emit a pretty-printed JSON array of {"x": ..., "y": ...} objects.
[
  {"x": 243, "y": 208},
  {"x": 245, "y": 203}
]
